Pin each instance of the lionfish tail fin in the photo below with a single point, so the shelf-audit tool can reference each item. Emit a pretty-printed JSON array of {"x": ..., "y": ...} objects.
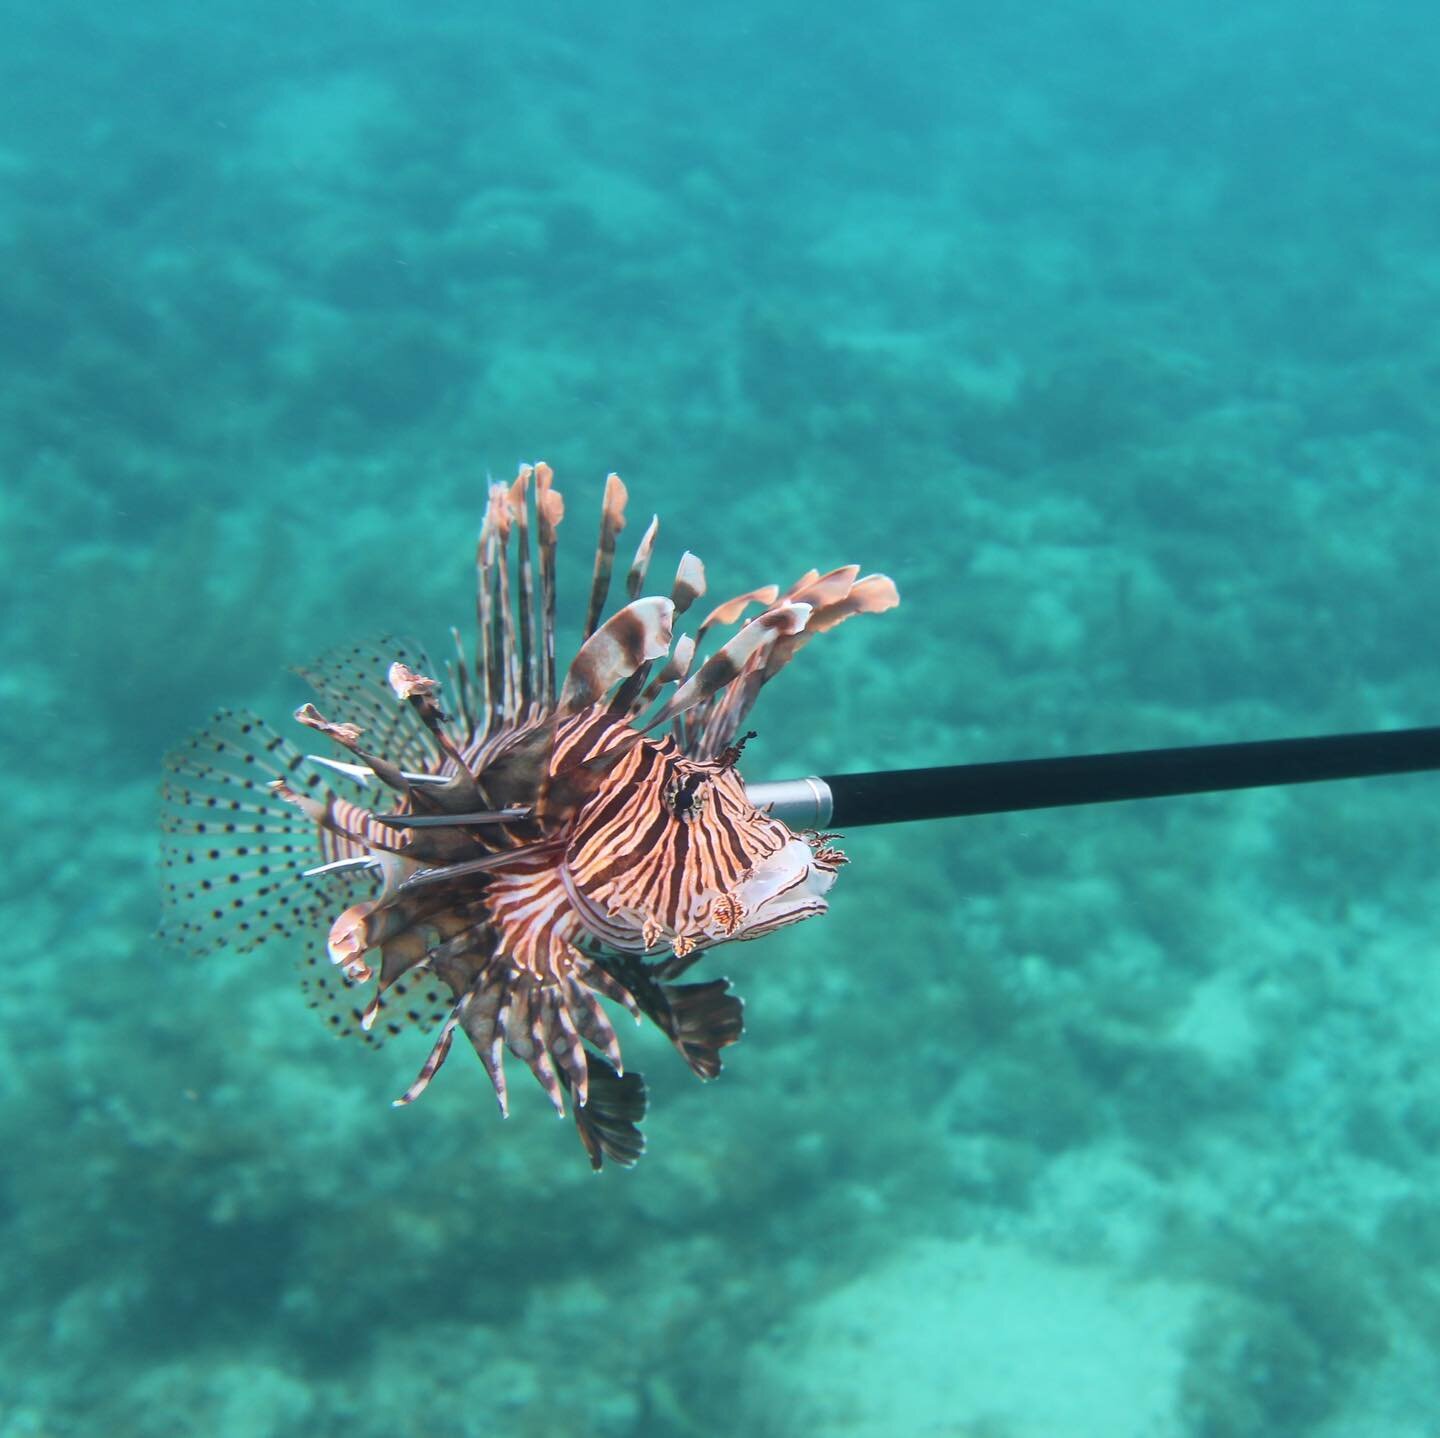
[
  {"x": 239, "y": 829},
  {"x": 702, "y": 1019},
  {"x": 608, "y": 1122},
  {"x": 256, "y": 847}
]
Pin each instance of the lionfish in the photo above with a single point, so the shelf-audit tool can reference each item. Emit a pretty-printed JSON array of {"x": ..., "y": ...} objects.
[{"x": 543, "y": 846}]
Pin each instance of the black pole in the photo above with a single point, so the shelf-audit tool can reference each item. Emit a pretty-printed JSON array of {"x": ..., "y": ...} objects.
[{"x": 898, "y": 795}]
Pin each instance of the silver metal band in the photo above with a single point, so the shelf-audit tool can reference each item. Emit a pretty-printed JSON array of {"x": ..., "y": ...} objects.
[{"x": 800, "y": 803}]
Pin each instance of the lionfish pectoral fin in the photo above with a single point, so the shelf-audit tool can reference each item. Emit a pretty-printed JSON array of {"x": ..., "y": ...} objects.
[
  {"x": 608, "y": 1122},
  {"x": 547, "y": 1040},
  {"x": 335, "y": 999},
  {"x": 591, "y": 1021},
  {"x": 537, "y": 1059},
  {"x": 484, "y": 1022},
  {"x": 516, "y": 776},
  {"x": 436, "y": 1057},
  {"x": 347, "y": 736},
  {"x": 702, "y": 1019},
  {"x": 568, "y": 1052}
]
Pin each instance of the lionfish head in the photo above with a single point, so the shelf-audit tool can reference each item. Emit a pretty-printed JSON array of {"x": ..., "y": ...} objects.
[
  {"x": 789, "y": 886},
  {"x": 668, "y": 853}
]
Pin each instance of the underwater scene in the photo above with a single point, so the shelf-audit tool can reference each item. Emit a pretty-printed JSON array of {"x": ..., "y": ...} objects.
[{"x": 1106, "y": 335}]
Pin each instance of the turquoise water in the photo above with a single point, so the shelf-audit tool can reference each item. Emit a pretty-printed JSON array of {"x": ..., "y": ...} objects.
[{"x": 1110, "y": 332}]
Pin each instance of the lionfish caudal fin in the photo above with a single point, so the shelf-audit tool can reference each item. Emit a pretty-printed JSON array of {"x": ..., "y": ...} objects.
[
  {"x": 242, "y": 865},
  {"x": 536, "y": 845}
]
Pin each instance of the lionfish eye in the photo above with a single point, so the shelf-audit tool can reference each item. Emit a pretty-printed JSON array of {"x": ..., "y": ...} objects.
[{"x": 683, "y": 796}]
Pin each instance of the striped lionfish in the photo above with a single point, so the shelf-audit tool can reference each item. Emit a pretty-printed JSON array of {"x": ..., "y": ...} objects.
[{"x": 544, "y": 845}]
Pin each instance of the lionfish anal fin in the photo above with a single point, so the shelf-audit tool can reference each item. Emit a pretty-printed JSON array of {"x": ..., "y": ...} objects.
[{"x": 609, "y": 1120}]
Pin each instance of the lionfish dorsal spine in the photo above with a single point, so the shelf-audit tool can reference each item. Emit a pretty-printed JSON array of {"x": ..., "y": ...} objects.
[
  {"x": 520, "y": 507},
  {"x": 549, "y": 511},
  {"x": 640, "y": 565},
  {"x": 635, "y": 635},
  {"x": 612, "y": 521},
  {"x": 689, "y": 582},
  {"x": 727, "y": 663},
  {"x": 732, "y": 609},
  {"x": 457, "y": 673}
]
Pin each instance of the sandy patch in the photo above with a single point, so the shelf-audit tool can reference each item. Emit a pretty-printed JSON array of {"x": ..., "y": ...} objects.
[{"x": 952, "y": 1339}]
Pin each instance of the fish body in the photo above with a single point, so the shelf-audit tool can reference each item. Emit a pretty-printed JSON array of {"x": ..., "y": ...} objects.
[{"x": 504, "y": 865}]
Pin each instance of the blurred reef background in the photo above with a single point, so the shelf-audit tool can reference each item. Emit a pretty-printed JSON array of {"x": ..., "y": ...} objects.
[{"x": 1111, "y": 330}]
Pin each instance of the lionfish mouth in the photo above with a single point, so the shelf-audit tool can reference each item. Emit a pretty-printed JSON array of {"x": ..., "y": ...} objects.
[{"x": 503, "y": 865}]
